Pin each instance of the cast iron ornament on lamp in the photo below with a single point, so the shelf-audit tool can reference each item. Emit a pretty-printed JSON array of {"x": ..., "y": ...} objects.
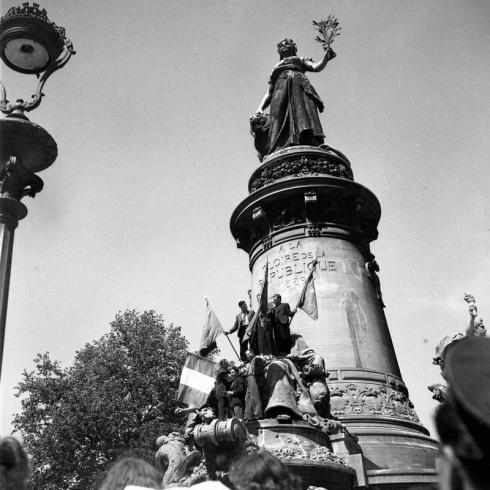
[{"x": 30, "y": 44}]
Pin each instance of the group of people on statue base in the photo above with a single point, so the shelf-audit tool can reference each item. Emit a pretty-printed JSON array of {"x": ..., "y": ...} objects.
[
  {"x": 236, "y": 393},
  {"x": 288, "y": 379},
  {"x": 271, "y": 336}
]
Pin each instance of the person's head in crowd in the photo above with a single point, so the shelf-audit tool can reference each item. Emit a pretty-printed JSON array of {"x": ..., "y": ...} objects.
[
  {"x": 131, "y": 471},
  {"x": 14, "y": 465},
  {"x": 249, "y": 354},
  {"x": 262, "y": 471},
  {"x": 207, "y": 414},
  {"x": 243, "y": 306},
  {"x": 242, "y": 369},
  {"x": 276, "y": 299},
  {"x": 463, "y": 420}
]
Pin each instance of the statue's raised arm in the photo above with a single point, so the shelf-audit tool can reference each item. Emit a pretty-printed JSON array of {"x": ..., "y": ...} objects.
[{"x": 294, "y": 105}]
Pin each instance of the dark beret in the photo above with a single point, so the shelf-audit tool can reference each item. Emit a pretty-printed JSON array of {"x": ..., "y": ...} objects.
[{"x": 468, "y": 374}]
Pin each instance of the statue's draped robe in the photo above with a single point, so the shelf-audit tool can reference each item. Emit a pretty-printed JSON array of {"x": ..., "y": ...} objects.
[{"x": 294, "y": 106}]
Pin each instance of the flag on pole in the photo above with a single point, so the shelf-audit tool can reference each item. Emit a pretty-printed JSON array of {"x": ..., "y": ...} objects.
[
  {"x": 197, "y": 380},
  {"x": 210, "y": 331},
  {"x": 307, "y": 300},
  {"x": 262, "y": 308}
]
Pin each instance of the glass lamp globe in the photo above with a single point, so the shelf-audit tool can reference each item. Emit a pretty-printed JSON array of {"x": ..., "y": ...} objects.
[
  {"x": 29, "y": 42},
  {"x": 26, "y": 54}
]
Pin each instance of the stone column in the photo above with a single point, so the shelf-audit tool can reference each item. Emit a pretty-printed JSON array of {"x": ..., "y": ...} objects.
[{"x": 304, "y": 205}]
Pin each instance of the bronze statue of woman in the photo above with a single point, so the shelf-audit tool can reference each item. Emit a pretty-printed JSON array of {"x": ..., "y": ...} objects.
[{"x": 294, "y": 103}]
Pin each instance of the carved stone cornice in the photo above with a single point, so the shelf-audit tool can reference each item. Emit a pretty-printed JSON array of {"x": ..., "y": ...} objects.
[
  {"x": 306, "y": 206},
  {"x": 299, "y": 161}
]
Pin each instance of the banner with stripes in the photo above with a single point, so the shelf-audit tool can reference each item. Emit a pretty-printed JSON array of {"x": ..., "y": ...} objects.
[{"x": 197, "y": 380}]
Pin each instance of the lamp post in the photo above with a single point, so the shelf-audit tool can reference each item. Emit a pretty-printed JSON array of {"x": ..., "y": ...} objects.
[{"x": 30, "y": 44}]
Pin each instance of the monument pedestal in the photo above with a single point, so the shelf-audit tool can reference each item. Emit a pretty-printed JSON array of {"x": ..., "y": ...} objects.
[
  {"x": 303, "y": 206},
  {"x": 307, "y": 452}
]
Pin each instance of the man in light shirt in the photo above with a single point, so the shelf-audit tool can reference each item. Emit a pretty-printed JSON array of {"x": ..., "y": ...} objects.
[{"x": 242, "y": 321}]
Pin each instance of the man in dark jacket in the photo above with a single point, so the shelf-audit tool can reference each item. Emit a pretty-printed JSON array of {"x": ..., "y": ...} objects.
[
  {"x": 237, "y": 393},
  {"x": 242, "y": 321},
  {"x": 282, "y": 334}
]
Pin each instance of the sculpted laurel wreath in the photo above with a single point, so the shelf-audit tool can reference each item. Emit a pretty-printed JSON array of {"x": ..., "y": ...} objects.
[{"x": 328, "y": 30}]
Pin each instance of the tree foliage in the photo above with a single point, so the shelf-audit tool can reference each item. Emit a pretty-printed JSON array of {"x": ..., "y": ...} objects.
[{"x": 119, "y": 395}]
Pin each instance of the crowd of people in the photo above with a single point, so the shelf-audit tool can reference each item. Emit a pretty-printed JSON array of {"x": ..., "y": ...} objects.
[
  {"x": 255, "y": 471},
  {"x": 239, "y": 387},
  {"x": 462, "y": 421},
  {"x": 238, "y": 392},
  {"x": 14, "y": 465}
]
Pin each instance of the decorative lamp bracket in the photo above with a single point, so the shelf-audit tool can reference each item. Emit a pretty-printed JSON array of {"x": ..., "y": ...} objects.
[{"x": 30, "y": 43}]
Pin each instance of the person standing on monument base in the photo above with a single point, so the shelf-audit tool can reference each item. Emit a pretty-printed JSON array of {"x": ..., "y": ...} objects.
[
  {"x": 282, "y": 334},
  {"x": 254, "y": 371},
  {"x": 242, "y": 321},
  {"x": 222, "y": 389},
  {"x": 237, "y": 392}
]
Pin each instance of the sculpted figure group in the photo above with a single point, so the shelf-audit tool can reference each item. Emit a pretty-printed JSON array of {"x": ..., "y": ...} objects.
[
  {"x": 289, "y": 382},
  {"x": 279, "y": 376}
]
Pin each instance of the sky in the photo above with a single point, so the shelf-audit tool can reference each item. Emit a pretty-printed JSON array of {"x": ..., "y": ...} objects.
[{"x": 151, "y": 121}]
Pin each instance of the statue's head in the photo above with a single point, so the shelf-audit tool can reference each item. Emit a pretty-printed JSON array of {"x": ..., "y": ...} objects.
[{"x": 286, "y": 47}]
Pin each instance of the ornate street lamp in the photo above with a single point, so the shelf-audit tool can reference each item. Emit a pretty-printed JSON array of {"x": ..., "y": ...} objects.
[{"x": 29, "y": 43}]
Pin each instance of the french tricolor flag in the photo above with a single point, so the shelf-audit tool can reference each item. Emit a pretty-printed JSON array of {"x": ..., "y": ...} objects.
[{"x": 197, "y": 380}]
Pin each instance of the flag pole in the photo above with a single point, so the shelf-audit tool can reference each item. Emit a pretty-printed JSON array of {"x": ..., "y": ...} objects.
[{"x": 233, "y": 347}]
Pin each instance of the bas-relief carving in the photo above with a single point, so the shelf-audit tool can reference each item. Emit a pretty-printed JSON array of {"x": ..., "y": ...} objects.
[
  {"x": 299, "y": 167},
  {"x": 291, "y": 448},
  {"x": 357, "y": 322},
  {"x": 370, "y": 399}
]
